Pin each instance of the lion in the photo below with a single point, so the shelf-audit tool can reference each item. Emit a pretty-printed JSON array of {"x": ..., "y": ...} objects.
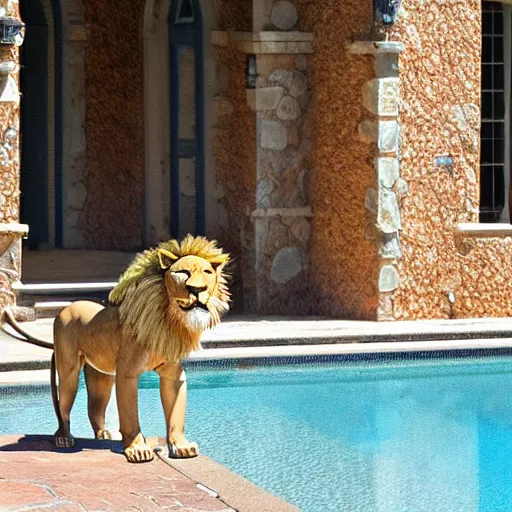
[{"x": 167, "y": 297}]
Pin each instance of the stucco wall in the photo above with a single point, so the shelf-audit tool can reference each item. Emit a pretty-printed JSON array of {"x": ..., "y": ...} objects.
[
  {"x": 114, "y": 124},
  {"x": 10, "y": 247},
  {"x": 344, "y": 263},
  {"x": 234, "y": 150},
  {"x": 234, "y": 14},
  {"x": 9, "y": 134},
  {"x": 440, "y": 88}
]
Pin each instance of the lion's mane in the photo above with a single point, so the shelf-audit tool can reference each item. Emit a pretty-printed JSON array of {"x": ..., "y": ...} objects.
[{"x": 145, "y": 312}]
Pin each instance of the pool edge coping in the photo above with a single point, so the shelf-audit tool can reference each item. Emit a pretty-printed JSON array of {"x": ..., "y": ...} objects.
[
  {"x": 231, "y": 488},
  {"x": 36, "y": 372}
]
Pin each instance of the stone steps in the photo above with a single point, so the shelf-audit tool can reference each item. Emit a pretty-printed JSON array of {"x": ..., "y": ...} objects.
[{"x": 47, "y": 299}]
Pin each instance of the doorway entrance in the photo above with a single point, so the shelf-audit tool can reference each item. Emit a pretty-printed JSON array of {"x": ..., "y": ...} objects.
[
  {"x": 40, "y": 87},
  {"x": 187, "y": 118}
]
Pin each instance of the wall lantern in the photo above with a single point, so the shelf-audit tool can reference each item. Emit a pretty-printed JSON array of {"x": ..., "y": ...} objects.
[
  {"x": 12, "y": 31},
  {"x": 250, "y": 72},
  {"x": 384, "y": 14}
]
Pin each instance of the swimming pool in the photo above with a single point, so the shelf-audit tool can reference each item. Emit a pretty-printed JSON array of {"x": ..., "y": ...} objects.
[{"x": 354, "y": 435}]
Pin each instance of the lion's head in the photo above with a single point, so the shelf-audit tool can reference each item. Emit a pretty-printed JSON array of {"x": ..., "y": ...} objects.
[{"x": 169, "y": 295}]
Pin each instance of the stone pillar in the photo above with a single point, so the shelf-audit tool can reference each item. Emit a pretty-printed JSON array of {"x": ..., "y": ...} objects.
[
  {"x": 381, "y": 97},
  {"x": 11, "y": 231},
  {"x": 278, "y": 94}
]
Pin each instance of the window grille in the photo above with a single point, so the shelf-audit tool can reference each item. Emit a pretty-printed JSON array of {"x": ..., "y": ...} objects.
[{"x": 492, "y": 151}]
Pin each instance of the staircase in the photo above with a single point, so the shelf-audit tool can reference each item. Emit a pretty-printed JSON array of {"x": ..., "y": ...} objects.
[{"x": 52, "y": 279}]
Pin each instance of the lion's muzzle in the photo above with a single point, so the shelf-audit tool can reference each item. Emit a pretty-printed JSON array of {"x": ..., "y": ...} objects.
[{"x": 191, "y": 303}]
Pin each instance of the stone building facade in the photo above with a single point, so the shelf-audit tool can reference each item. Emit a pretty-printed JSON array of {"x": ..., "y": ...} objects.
[{"x": 346, "y": 169}]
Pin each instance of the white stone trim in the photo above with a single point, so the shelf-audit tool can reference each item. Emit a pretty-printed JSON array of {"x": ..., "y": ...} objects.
[
  {"x": 221, "y": 38},
  {"x": 266, "y": 42},
  {"x": 484, "y": 230},
  {"x": 13, "y": 228}
]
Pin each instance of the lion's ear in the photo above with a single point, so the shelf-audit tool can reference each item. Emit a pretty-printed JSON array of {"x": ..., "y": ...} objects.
[
  {"x": 217, "y": 265},
  {"x": 166, "y": 258},
  {"x": 220, "y": 262}
]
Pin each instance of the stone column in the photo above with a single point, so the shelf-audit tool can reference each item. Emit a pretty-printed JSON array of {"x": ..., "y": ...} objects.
[
  {"x": 278, "y": 94},
  {"x": 11, "y": 231},
  {"x": 381, "y": 97}
]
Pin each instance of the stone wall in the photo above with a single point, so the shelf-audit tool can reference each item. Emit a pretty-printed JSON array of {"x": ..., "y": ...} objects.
[
  {"x": 440, "y": 86},
  {"x": 344, "y": 262},
  {"x": 234, "y": 141},
  {"x": 380, "y": 97},
  {"x": 114, "y": 124},
  {"x": 282, "y": 216}
]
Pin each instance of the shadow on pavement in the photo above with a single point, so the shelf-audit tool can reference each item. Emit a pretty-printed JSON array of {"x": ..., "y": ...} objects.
[{"x": 44, "y": 443}]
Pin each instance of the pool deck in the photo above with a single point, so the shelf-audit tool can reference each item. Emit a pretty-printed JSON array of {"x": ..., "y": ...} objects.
[
  {"x": 35, "y": 476},
  {"x": 257, "y": 337}
]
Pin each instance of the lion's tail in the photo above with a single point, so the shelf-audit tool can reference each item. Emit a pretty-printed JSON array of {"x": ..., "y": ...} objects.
[
  {"x": 55, "y": 394},
  {"x": 8, "y": 318}
]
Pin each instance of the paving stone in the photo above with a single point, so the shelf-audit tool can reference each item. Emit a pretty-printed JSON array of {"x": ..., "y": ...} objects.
[
  {"x": 284, "y": 15},
  {"x": 390, "y": 246},
  {"x": 388, "y": 136},
  {"x": 283, "y": 77},
  {"x": 299, "y": 85},
  {"x": 388, "y": 216},
  {"x": 288, "y": 109},
  {"x": 388, "y": 279},
  {"x": 82, "y": 479},
  {"x": 380, "y": 96},
  {"x": 14, "y": 494},
  {"x": 371, "y": 200},
  {"x": 273, "y": 135},
  {"x": 388, "y": 170},
  {"x": 266, "y": 98},
  {"x": 287, "y": 264},
  {"x": 401, "y": 187}
]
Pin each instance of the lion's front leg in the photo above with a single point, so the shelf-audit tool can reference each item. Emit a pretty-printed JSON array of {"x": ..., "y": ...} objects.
[
  {"x": 136, "y": 449},
  {"x": 173, "y": 392}
]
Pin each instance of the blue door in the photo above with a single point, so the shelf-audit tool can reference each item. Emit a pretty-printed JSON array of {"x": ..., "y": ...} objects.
[{"x": 187, "y": 118}]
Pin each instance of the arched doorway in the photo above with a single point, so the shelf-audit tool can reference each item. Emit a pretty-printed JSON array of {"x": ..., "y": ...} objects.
[
  {"x": 187, "y": 118},
  {"x": 40, "y": 118},
  {"x": 179, "y": 71}
]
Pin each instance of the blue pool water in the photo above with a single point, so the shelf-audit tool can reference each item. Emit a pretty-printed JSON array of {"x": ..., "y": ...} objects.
[{"x": 388, "y": 436}]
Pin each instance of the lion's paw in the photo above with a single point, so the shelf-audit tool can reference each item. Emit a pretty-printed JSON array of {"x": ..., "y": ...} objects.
[
  {"x": 139, "y": 450},
  {"x": 182, "y": 449},
  {"x": 103, "y": 434},
  {"x": 64, "y": 441}
]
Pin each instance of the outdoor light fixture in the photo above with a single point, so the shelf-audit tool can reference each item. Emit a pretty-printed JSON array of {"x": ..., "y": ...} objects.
[
  {"x": 12, "y": 31},
  {"x": 250, "y": 72},
  {"x": 385, "y": 13}
]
